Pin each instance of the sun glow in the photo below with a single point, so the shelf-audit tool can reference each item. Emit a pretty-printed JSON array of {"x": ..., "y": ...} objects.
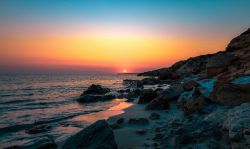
[{"x": 124, "y": 71}]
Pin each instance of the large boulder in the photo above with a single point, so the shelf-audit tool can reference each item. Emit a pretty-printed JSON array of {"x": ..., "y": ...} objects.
[
  {"x": 96, "y": 89},
  {"x": 238, "y": 126},
  {"x": 228, "y": 93},
  {"x": 159, "y": 103},
  {"x": 146, "y": 96},
  {"x": 97, "y": 136},
  {"x": 86, "y": 98},
  {"x": 193, "y": 101}
]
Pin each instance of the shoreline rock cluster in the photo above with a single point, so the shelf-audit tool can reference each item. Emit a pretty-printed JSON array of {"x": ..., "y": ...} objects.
[{"x": 216, "y": 108}]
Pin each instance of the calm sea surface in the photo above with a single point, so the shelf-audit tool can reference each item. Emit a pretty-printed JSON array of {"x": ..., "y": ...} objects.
[{"x": 26, "y": 100}]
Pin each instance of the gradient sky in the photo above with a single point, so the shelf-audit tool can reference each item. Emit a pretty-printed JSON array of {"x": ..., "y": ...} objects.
[{"x": 113, "y": 35}]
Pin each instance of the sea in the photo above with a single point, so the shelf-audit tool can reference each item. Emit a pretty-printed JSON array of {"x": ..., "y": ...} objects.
[{"x": 49, "y": 100}]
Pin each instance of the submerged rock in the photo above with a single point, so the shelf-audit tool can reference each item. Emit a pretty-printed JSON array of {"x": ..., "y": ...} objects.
[
  {"x": 146, "y": 96},
  {"x": 230, "y": 94},
  {"x": 97, "y": 136},
  {"x": 95, "y": 98},
  {"x": 96, "y": 89}
]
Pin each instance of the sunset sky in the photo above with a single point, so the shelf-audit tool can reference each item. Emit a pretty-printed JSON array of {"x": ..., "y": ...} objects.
[{"x": 113, "y": 35}]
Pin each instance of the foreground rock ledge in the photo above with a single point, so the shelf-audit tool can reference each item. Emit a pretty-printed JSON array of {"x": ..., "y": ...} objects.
[{"x": 97, "y": 136}]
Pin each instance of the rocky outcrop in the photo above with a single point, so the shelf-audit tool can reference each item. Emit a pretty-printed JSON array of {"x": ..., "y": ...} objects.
[
  {"x": 97, "y": 136},
  {"x": 146, "y": 96},
  {"x": 96, "y": 90},
  {"x": 219, "y": 63},
  {"x": 238, "y": 126},
  {"x": 95, "y": 93},
  {"x": 227, "y": 93},
  {"x": 232, "y": 62}
]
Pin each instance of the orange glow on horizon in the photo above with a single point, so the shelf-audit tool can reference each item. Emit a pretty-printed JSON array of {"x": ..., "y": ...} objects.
[{"x": 111, "y": 50}]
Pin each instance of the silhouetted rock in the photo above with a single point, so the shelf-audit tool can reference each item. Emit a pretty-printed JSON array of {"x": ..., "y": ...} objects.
[
  {"x": 225, "y": 92},
  {"x": 146, "y": 96},
  {"x": 97, "y": 136},
  {"x": 95, "y": 98},
  {"x": 159, "y": 103},
  {"x": 96, "y": 90},
  {"x": 120, "y": 121}
]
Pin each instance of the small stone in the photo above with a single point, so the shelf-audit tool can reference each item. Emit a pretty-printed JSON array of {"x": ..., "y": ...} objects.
[
  {"x": 154, "y": 116},
  {"x": 115, "y": 126},
  {"x": 157, "y": 129},
  {"x": 141, "y": 131},
  {"x": 120, "y": 121}
]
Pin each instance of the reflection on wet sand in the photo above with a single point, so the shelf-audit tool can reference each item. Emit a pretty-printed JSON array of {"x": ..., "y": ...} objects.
[{"x": 116, "y": 110}]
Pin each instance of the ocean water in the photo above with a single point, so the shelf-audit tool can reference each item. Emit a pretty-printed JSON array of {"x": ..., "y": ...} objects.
[{"x": 26, "y": 100}]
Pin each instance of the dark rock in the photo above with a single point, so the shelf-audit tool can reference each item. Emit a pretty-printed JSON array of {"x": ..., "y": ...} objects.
[
  {"x": 154, "y": 116},
  {"x": 146, "y": 96},
  {"x": 193, "y": 101},
  {"x": 96, "y": 89},
  {"x": 138, "y": 121},
  {"x": 97, "y": 136},
  {"x": 13, "y": 147},
  {"x": 189, "y": 85},
  {"x": 170, "y": 76},
  {"x": 39, "y": 129},
  {"x": 40, "y": 143},
  {"x": 115, "y": 126},
  {"x": 159, "y": 103},
  {"x": 141, "y": 131},
  {"x": 120, "y": 121},
  {"x": 95, "y": 98},
  {"x": 149, "y": 81},
  {"x": 230, "y": 94}
]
